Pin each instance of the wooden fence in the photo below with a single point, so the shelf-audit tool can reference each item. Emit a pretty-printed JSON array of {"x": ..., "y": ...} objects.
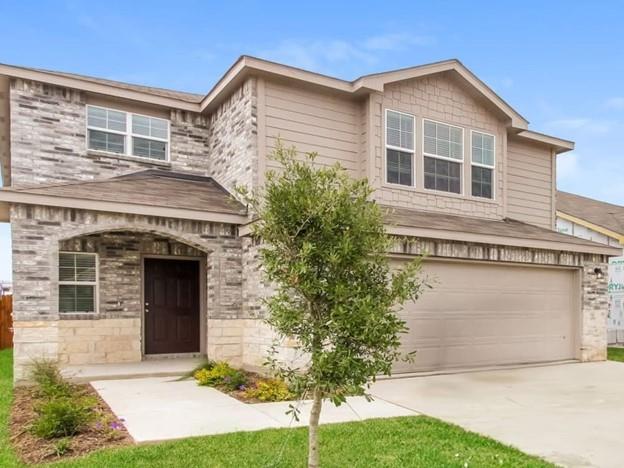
[{"x": 6, "y": 322}]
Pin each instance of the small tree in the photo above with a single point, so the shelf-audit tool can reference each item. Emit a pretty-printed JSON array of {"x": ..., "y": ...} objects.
[{"x": 325, "y": 249}]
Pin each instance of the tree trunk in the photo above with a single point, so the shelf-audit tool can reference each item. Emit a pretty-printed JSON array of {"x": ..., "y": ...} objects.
[{"x": 313, "y": 443}]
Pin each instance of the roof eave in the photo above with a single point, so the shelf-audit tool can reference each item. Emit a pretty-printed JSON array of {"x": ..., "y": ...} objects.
[
  {"x": 466, "y": 236},
  {"x": 558, "y": 144},
  {"x": 97, "y": 88},
  {"x": 8, "y": 196}
]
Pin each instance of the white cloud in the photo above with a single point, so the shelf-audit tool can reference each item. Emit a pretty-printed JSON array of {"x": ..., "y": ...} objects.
[
  {"x": 615, "y": 103},
  {"x": 322, "y": 54}
]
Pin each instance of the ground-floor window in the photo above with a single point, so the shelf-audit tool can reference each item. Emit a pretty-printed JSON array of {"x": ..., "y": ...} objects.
[{"x": 77, "y": 282}]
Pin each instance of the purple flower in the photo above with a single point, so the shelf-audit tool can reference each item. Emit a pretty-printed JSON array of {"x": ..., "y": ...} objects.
[
  {"x": 242, "y": 387},
  {"x": 115, "y": 425}
]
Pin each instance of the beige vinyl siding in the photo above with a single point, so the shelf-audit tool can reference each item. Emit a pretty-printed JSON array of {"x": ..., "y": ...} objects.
[
  {"x": 313, "y": 121},
  {"x": 530, "y": 183}
]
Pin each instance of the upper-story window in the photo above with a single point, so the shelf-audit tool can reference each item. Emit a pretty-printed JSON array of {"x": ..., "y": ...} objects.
[
  {"x": 443, "y": 151},
  {"x": 120, "y": 132},
  {"x": 399, "y": 148},
  {"x": 483, "y": 161}
]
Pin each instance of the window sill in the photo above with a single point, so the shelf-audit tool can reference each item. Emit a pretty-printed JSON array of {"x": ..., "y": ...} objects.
[
  {"x": 125, "y": 157},
  {"x": 79, "y": 316},
  {"x": 424, "y": 191}
]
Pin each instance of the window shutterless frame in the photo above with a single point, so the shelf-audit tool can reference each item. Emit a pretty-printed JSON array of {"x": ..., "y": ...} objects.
[
  {"x": 486, "y": 166},
  {"x": 95, "y": 284},
  {"x": 128, "y": 135},
  {"x": 398, "y": 148},
  {"x": 457, "y": 161}
]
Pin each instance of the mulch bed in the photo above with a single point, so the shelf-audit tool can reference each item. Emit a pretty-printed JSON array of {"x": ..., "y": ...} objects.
[{"x": 106, "y": 431}]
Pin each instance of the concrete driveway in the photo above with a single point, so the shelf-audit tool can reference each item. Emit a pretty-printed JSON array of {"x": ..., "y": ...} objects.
[{"x": 570, "y": 414}]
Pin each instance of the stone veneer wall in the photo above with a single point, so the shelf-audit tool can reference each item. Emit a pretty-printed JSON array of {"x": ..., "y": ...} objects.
[
  {"x": 38, "y": 233},
  {"x": 48, "y": 139}
]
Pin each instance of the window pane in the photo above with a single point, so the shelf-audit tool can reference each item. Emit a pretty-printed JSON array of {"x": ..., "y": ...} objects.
[
  {"x": 393, "y": 137},
  {"x": 482, "y": 148},
  {"x": 394, "y": 120},
  {"x": 399, "y": 167},
  {"x": 442, "y": 175},
  {"x": 482, "y": 182},
  {"x": 430, "y": 129},
  {"x": 149, "y": 148},
  {"x": 117, "y": 121},
  {"x": 430, "y": 145},
  {"x": 400, "y": 130},
  {"x": 160, "y": 128},
  {"x": 392, "y": 166},
  {"x": 102, "y": 141},
  {"x": 96, "y": 117},
  {"x": 141, "y": 125},
  {"x": 85, "y": 298},
  {"x": 443, "y": 140},
  {"x": 67, "y": 298},
  {"x": 76, "y": 298}
]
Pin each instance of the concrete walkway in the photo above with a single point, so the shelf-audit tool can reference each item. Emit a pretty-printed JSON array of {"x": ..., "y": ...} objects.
[
  {"x": 162, "y": 408},
  {"x": 570, "y": 414}
]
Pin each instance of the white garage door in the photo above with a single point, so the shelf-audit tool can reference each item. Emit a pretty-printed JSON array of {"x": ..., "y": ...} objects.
[{"x": 483, "y": 314}]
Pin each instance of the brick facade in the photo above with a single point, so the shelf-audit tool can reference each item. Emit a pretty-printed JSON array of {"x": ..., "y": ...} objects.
[{"x": 48, "y": 145}]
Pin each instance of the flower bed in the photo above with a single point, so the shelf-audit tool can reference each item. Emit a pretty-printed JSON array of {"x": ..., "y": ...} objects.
[
  {"x": 245, "y": 386},
  {"x": 55, "y": 419}
]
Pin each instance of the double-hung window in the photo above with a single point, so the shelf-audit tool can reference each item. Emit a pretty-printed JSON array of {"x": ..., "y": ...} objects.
[
  {"x": 399, "y": 148},
  {"x": 443, "y": 152},
  {"x": 483, "y": 163},
  {"x": 77, "y": 282},
  {"x": 125, "y": 133}
]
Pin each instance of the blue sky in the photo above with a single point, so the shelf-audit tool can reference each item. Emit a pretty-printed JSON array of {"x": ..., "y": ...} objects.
[{"x": 560, "y": 64}]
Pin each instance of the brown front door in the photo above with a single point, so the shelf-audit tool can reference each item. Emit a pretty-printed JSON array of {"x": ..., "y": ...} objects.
[{"x": 171, "y": 306}]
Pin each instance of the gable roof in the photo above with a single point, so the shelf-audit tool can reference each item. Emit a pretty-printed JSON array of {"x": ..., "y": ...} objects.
[
  {"x": 151, "y": 192},
  {"x": 599, "y": 213},
  {"x": 247, "y": 64}
]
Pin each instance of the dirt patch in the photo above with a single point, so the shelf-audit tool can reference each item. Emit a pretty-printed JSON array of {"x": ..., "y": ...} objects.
[{"x": 105, "y": 431}]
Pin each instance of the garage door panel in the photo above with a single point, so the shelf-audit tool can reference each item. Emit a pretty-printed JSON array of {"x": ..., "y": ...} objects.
[{"x": 489, "y": 314}]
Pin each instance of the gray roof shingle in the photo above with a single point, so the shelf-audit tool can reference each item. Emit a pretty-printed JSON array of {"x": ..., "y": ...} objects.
[{"x": 597, "y": 212}]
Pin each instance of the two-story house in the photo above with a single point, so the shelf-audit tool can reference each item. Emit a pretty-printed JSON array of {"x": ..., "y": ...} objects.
[{"x": 128, "y": 243}]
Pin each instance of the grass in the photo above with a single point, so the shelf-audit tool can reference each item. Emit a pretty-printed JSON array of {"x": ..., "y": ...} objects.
[
  {"x": 398, "y": 442},
  {"x": 615, "y": 354}
]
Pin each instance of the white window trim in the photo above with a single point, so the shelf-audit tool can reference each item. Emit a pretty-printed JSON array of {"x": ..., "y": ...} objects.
[
  {"x": 462, "y": 184},
  {"x": 398, "y": 148},
  {"x": 128, "y": 135},
  {"x": 95, "y": 284},
  {"x": 486, "y": 166}
]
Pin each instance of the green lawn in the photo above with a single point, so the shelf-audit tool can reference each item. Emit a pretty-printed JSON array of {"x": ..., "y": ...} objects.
[
  {"x": 615, "y": 354},
  {"x": 399, "y": 442}
]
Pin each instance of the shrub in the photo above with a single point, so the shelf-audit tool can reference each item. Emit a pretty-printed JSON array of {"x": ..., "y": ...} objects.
[
  {"x": 62, "y": 417},
  {"x": 48, "y": 380},
  {"x": 221, "y": 375},
  {"x": 62, "y": 446},
  {"x": 207, "y": 365},
  {"x": 270, "y": 390}
]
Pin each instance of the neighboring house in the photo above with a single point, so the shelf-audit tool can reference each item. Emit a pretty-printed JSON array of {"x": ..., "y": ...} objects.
[
  {"x": 5, "y": 288},
  {"x": 127, "y": 243},
  {"x": 603, "y": 223}
]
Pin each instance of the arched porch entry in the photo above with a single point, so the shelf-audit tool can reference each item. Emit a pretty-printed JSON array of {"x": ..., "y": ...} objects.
[{"x": 152, "y": 289}]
